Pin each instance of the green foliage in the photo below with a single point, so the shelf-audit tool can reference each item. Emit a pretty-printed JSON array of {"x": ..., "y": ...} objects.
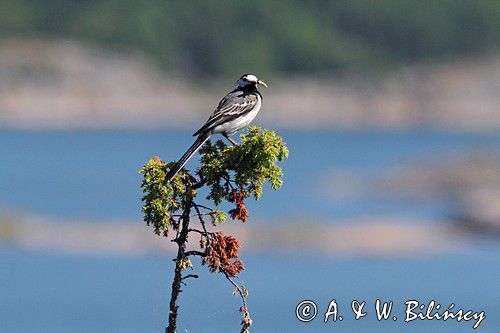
[
  {"x": 217, "y": 217},
  {"x": 232, "y": 173},
  {"x": 221, "y": 37},
  {"x": 161, "y": 198},
  {"x": 246, "y": 166}
]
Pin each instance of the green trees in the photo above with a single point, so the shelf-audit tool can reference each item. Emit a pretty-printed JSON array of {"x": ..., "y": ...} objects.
[
  {"x": 231, "y": 174},
  {"x": 213, "y": 38}
]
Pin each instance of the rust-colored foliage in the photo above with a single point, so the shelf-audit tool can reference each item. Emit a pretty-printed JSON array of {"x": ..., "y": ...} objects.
[
  {"x": 221, "y": 254},
  {"x": 240, "y": 212}
]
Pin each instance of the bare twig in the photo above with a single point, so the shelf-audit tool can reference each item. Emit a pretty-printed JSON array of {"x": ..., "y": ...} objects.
[
  {"x": 193, "y": 276},
  {"x": 246, "y": 321},
  {"x": 204, "y": 207},
  {"x": 200, "y": 216},
  {"x": 194, "y": 253},
  {"x": 203, "y": 233},
  {"x": 200, "y": 183}
]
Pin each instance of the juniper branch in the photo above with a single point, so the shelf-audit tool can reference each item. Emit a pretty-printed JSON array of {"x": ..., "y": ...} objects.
[{"x": 168, "y": 205}]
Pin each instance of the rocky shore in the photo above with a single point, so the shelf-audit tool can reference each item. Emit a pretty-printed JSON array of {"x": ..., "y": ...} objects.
[
  {"x": 470, "y": 181},
  {"x": 66, "y": 84}
]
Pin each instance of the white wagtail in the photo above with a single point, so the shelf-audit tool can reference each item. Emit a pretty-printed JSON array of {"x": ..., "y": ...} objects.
[{"x": 234, "y": 112}]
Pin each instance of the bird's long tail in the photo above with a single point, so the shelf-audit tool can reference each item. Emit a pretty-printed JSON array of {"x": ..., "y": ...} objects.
[{"x": 202, "y": 138}]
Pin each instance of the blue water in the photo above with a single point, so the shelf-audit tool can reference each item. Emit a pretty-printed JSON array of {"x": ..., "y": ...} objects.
[
  {"x": 93, "y": 175},
  {"x": 47, "y": 292}
]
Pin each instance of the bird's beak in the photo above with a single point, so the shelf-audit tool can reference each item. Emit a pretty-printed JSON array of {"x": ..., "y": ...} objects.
[{"x": 262, "y": 83}]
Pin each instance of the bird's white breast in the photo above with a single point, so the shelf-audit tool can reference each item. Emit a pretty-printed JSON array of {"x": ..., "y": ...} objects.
[{"x": 239, "y": 123}]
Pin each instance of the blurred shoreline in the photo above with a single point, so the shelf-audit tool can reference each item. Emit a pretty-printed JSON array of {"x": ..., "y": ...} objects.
[
  {"x": 61, "y": 84},
  {"x": 384, "y": 237}
]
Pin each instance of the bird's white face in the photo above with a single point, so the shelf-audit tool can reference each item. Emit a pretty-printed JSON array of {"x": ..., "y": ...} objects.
[{"x": 249, "y": 79}]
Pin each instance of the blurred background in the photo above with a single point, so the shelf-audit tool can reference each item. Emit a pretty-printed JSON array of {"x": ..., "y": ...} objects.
[{"x": 391, "y": 112}]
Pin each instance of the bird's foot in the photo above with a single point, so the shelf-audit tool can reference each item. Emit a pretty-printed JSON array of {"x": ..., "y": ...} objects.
[{"x": 230, "y": 140}]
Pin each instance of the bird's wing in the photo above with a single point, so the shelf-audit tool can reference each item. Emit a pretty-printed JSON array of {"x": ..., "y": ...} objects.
[{"x": 233, "y": 105}]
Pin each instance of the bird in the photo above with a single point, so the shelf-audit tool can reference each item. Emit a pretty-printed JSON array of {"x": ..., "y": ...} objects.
[{"x": 233, "y": 113}]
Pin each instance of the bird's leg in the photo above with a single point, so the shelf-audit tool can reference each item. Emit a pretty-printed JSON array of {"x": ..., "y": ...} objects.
[{"x": 230, "y": 140}]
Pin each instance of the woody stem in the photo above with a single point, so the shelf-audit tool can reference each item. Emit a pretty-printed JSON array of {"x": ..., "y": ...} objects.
[{"x": 181, "y": 241}]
